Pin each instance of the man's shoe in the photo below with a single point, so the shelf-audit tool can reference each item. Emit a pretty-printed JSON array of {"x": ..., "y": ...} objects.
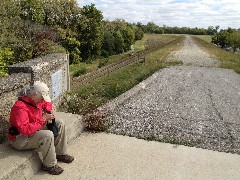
[
  {"x": 65, "y": 158},
  {"x": 55, "y": 170}
]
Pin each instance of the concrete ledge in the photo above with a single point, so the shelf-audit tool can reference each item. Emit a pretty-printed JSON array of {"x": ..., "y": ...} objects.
[{"x": 24, "y": 164}]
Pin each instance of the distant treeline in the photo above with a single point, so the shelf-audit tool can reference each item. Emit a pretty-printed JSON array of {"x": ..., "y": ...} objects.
[
  {"x": 33, "y": 28},
  {"x": 153, "y": 28}
]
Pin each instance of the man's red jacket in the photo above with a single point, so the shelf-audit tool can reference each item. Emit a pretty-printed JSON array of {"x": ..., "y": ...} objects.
[{"x": 26, "y": 118}]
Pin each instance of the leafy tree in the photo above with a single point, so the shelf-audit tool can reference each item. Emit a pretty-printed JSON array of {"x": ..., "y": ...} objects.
[
  {"x": 90, "y": 32},
  {"x": 108, "y": 46},
  {"x": 74, "y": 53},
  {"x": 128, "y": 36},
  {"x": 141, "y": 26},
  {"x": 234, "y": 40},
  {"x": 32, "y": 10},
  {"x": 211, "y": 30},
  {"x": 8, "y": 18},
  {"x": 159, "y": 30},
  {"x": 221, "y": 39},
  {"x": 119, "y": 42},
  {"x": 61, "y": 13},
  {"x": 138, "y": 33},
  {"x": 151, "y": 27}
]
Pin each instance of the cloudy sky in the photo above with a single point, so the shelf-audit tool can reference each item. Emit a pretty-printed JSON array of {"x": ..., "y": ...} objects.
[{"x": 181, "y": 13}]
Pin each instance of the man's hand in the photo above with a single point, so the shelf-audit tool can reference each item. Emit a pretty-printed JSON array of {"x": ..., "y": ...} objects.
[{"x": 48, "y": 117}]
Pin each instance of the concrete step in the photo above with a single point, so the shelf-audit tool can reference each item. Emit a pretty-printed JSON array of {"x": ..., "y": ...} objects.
[
  {"x": 24, "y": 164},
  {"x": 101, "y": 156}
]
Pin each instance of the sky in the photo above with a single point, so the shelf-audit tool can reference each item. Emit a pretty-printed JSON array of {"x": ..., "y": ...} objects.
[{"x": 180, "y": 13}]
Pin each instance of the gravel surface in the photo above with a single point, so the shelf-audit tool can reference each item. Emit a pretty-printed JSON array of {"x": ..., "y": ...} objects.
[
  {"x": 190, "y": 54},
  {"x": 191, "y": 105}
]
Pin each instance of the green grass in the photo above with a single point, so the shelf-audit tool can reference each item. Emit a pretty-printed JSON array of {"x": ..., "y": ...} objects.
[
  {"x": 228, "y": 60},
  {"x": 206, "y": 38},
  {"x": 87, "y": 99},
  {"x": 84, "y": 67},
  {"x": 165, "y": 38}
]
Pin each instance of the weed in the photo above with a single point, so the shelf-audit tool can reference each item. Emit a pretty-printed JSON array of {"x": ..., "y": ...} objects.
[
  {"x": 180, "y": 142},
  {"x": 79, "y": 72},
  {"x": 103, "y": 62}
]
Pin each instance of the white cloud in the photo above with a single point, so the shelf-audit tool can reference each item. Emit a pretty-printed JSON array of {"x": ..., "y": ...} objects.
[{"x": 181, "y": 13}]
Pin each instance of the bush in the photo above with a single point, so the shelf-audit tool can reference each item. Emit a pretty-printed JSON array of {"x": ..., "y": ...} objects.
[
  {"x": 82, "y": 102},
  {"x": 102, "y": 62},
  {"x": 6, "y": 58},
  {"x": 80, "y": 72},
  {"x": 94, "y": 121},
  {"x": 46, "y": 46},
  {"x": 105, "y": 53}
]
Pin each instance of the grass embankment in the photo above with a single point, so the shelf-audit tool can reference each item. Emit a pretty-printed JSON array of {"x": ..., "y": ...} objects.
[
  {"x": 228, "y": 60},
  {"x": 88, "y": 98},
  {"x": 148, "y": 40},
  {"x": 206, "y": 38}
]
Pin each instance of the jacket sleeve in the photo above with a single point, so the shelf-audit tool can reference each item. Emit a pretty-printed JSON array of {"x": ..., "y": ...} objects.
[
  {"x": 46, "y": 106},
  {"x": 23, "y": 124}
]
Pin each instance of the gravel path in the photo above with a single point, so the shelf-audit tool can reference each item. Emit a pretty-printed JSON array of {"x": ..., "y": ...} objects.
[
  {"x": 190, "y": 54},
  {"x": 191, "y": 105}
]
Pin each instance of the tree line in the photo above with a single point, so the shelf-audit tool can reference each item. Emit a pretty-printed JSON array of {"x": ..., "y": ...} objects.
[
  {"x": 33, "y": 28},
  {"x": 153, "y": 28}
]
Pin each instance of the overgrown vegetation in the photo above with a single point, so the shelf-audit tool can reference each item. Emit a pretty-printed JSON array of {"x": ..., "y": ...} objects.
[{"x": 228, "y": 60}]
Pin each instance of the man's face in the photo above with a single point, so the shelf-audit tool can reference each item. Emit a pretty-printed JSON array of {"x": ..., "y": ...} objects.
[{"x": 38, "y": 97}]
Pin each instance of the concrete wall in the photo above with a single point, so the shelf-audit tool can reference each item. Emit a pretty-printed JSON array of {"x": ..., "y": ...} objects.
[{"x": 52, "y": 69}]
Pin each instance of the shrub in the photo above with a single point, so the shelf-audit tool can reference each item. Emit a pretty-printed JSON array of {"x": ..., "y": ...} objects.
[
  {"x": 80, "y": 72},
  {"x": 94, "y": 121},
  {"x": 102, "y": 62},
  {"x": 105, "y": 53},
  {"x": 6, "y": 58},
  {"x": 46, "y": 46}
]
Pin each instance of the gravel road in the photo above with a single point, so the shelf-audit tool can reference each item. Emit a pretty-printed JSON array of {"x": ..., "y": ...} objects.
[{"x": 196, "y": 104}]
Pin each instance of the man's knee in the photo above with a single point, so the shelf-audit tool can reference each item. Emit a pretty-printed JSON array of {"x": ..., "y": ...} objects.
[
  {"x": 59, "y": 121},
  {"x": 45, "y": 134}
]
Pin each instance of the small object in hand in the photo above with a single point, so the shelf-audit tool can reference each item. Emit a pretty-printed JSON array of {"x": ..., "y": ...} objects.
[
  {"x": 1, "y": 139},
  {"x": 53, "y": 127}
]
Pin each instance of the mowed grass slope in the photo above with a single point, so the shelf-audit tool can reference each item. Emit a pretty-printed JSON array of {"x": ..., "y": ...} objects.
[{"x": 206, "y": 38}]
